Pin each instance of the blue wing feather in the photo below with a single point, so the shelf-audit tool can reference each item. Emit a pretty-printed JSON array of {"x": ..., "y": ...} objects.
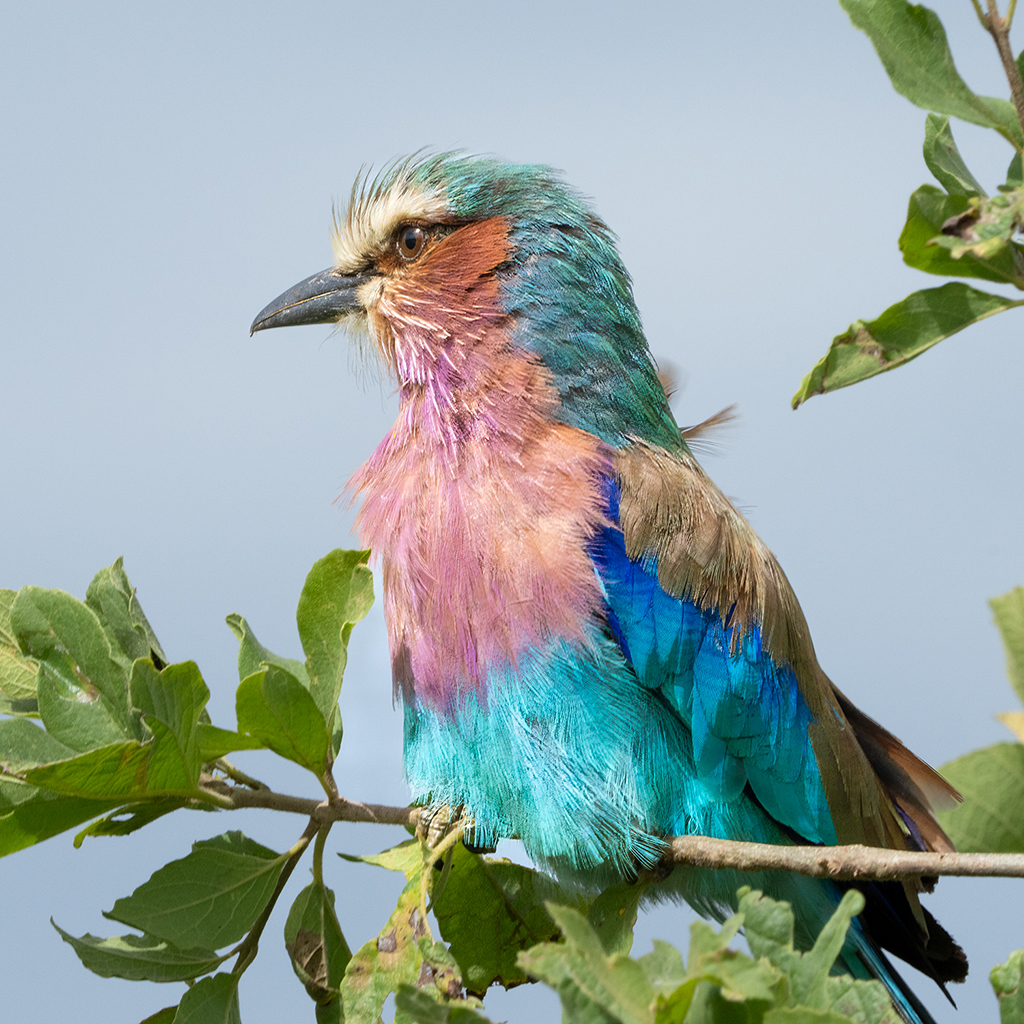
[{"x": 747, "y": 719}]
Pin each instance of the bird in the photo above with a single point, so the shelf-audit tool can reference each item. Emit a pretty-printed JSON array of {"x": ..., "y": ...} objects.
[{"x": 592, "y": 648}]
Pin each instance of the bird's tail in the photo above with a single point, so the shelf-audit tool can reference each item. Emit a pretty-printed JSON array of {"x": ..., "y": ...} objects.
[{"x": 863, "y": 959}]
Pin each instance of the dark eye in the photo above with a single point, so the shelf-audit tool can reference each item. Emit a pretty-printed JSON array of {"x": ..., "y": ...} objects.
[{"x": 410, "y": 242}]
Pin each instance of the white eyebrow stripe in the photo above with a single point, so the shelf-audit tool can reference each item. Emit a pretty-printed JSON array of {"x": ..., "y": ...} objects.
[{"x": 375, "y": 212}]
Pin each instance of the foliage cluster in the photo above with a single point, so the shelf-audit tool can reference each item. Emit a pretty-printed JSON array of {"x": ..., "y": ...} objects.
[
  {"x": 127, "y": 739},
  {"x": 958, "y": 230}
]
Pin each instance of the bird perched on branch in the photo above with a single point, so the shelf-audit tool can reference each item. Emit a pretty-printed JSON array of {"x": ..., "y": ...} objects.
[{"x": 592, "y": 647}]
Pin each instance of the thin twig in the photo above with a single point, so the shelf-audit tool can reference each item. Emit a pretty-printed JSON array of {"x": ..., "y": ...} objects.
[
  {"x": 841, "y": 862},
  {"x": 250, "y": 946},
  {"x": 235, "y": 797},
  {"x": 238, "y": 775},
  {"x": 999, "y": 29}
]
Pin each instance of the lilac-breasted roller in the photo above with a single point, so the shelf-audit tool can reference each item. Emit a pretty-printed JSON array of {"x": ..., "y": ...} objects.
[{"x": 592, "y": 647}]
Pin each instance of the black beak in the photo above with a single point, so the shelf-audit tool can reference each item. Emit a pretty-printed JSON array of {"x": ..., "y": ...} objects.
[{"x": 321, "y": 299}]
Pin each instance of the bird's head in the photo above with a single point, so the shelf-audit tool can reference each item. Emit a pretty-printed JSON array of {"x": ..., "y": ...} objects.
[{"x": 447, "y": 259}]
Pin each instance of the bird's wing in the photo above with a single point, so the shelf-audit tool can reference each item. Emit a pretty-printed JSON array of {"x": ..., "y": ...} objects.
[{"x": 706, "y": 617}]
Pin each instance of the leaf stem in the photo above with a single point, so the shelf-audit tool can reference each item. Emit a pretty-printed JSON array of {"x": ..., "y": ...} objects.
[
  {"x": 999, "y": 29},
  {"x": 318, "y": 853},
  {"x": 250, "y": 946},
  {"x": 239, "y": 776}
]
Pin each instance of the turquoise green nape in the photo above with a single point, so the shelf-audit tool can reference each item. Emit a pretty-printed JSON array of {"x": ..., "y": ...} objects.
[{"x": 568, "y": 291}]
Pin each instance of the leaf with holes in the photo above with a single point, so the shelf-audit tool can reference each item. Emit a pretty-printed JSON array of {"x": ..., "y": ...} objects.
[{"x": 900, "y": 334}]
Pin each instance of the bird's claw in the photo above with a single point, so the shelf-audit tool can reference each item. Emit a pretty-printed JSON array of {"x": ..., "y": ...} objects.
[{"x": 436, "y": 824}]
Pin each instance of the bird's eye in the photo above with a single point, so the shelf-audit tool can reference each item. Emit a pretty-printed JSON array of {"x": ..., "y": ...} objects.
[{"x": 410, "y": 242}]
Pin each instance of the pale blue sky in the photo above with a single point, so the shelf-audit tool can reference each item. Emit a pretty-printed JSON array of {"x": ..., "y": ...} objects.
[{"x": 166, "y": 170}]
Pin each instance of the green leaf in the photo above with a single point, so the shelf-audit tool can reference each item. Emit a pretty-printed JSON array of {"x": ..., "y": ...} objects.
[
  {"x": 29, "y": 815},
  {"x": 944, "y": 159},
  {"x": 316, "y": 945},
  {"x": 18, "y": 684},
  {"x": 173, "y": 698},
  {"x": 911, "y": 43},
  {"x": 211, "y": 1001},
  {"x": 276, "y": 709},
  {"x": 24, "y": 745},
  {"x": 208, "y": 899},
  {"x": 252, "y": 655},
  {"x": 387, "y": 962},
  {"x": 803, "y": 1015},
  {"x": 613, "y": 915},
  {"x": 900, "y": 334},
  {"x": 986, "y": 228},
  {"x": 928, "y": 211},
  {"x": 112, "y": 597},
  {"x": 168, "y": 763},
  {"x": 991, "y": 818},
  {"x": 664, "y": 964},
  {"x": 1007, "y": 981},
  {"x": 811, "y": 972},
  {"x": 130, "y": 818},
  {"x": 403, "y": 953},
  {"x": 215, "y": 743},
  {"x": 419, "y": 1006},
  {"x": 83, "y": 694},
  {"x": 17, "y": 673},
  {"x": 488, "y": 911},
  {"x": 861, "y": 1002},
  {"x": 140, "y": 957},
  {"x": 119, "y": 771},
  {"x": 1009, "y": 615},
  {"x": 617, "y": 984},
  {"x": 406, "y": 857},
  {"x": 7, "y": 637},
  {"x": 768, "y": 926},
  {"x": 164, "y": 1016},
  {"x": 337, "y": 594},
  {"x": 1015, "y": 173}
]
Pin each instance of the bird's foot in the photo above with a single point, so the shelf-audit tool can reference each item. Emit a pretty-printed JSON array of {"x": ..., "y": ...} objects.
[{"x": 436, "y": 824}]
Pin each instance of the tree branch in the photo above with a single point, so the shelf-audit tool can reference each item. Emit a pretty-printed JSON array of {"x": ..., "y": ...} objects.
[
  {"x": 838, "y": 862},
  {"x": 999, "y": 29},
  {"x": 867, "y": 863},
  {"x": 321, "y": 811}
]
